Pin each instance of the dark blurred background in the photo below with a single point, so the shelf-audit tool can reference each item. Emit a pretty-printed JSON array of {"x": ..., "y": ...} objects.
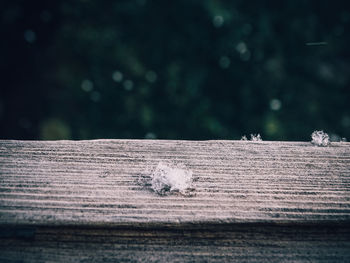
[{"x": 184, "y": 69}]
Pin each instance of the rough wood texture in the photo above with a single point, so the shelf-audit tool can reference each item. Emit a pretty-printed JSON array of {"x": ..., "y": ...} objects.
[{"x": 252, "y": 201}]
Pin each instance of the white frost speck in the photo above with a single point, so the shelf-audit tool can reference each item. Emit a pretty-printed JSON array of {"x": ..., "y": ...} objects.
[
  {"x": 320, "y": 138},
  {"x": 170, "y": 179},
  {"x": 253, "y": 137}
]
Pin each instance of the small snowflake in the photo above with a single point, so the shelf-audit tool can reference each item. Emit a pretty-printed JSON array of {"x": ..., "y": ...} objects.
[
  {"x": 167, "y": 179},
  {"x": 320, "y": 138},
  {"x": 253, "y": 137}
]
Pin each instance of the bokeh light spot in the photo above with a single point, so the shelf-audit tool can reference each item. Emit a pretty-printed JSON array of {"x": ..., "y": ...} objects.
[
  {"x": 87, "y": 85},
  {"x": 128, "y": 85},
  {"x": 117, "y": 76},
  {"x": 95, "y": 96},
  {"x": 275, "y": 104},
  {"x": 150, "y": 135},
  {"x": 241, "y": 47},
  {"x": 218, "y": 21},
  {"x": 224, "y": 62},
  {"x": 30, "y": 36},
  {"x": 151, "y": 76}
]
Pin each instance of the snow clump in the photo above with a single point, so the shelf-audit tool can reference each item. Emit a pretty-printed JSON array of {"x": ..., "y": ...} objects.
[
  {"x": 170, "y": 179},
  {"x": 320, "y": 138},
  {"x": 253, "y": 137}
]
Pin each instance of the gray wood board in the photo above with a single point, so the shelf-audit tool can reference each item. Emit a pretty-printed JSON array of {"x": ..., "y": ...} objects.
[
  {"x": 222, "y": 243},
  {"x": 91, "y": 201},
  {"x": 102, "y": 182}
]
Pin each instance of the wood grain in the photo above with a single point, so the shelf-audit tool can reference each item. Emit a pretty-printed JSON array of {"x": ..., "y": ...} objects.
[
  {"x": 66, "y": 198},
  {"x": 94, "y": 182},
  {"x": 219, "y": 243}
]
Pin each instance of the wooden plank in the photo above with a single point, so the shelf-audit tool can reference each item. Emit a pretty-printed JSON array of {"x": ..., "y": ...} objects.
[
  {"x": 97, "y": 182},
  {"x": 251, "y": 202},
  {"x": 219, "y": 243}
]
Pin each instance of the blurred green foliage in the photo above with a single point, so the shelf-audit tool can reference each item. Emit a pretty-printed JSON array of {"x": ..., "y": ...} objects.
[{"x": 184, "y": 69}]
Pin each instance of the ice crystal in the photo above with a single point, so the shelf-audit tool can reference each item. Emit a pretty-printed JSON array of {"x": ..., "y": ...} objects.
[
  {"x": 320, "y": 138},
  {"x": 170, "y": 179},
  {"x": 253, "y": 137}
]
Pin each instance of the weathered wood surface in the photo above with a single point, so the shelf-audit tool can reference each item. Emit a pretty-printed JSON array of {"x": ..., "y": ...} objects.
[
  {"x": 252, "y": 201},
  {"x": 234, "y": 243}
]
